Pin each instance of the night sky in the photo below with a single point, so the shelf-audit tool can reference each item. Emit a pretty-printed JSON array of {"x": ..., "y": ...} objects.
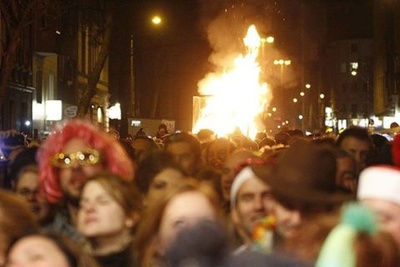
[{"x": 196, "y": 35}]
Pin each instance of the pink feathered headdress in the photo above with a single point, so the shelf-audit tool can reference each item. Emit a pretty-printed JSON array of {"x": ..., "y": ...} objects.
[{"x": 114, "y": 156}]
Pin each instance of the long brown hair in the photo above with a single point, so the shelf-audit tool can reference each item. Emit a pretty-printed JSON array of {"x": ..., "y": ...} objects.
[
  {"x": 16, "y": 219},
  {"x": 150, "y": 224},
  {"x": 379, "y": 249}
]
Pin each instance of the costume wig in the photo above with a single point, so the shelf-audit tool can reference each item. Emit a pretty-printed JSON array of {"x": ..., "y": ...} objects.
[{"x": 114, "y": 157}]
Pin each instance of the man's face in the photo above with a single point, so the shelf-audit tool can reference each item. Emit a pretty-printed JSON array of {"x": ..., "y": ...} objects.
[
  {"x": 229, "y": 172},
  {"x": 346, "y": 174},
  {"x": 287, "y": 221},
  {"x": 142, "y": 148},
  {"x": 217, "y": 154},
  {"x": 27, "y": 187},
  {"x": 164, "y": 181},
  {"x": 73, "y": 178},
  {"x": 358, "y": 148},
  {"x": 184, "y": 156},
  {"x": 253, "y": 203},
  {"x": 388, "y": 214}
]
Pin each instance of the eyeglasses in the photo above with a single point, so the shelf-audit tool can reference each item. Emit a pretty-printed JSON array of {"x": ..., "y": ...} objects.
[{"x": 86, "y": 157}]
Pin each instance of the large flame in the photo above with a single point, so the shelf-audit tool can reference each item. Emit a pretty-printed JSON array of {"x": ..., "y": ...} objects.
[{"x": 235, "y": 99}]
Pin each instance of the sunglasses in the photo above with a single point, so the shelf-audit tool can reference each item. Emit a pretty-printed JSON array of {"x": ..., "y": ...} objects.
[{"x": 86, "y": 157}]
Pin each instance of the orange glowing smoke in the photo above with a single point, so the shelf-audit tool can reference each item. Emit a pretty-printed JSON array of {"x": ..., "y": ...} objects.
[{"x": 235, "y": 99}]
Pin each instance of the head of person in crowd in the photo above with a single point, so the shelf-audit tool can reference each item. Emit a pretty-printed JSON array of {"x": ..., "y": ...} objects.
[
  {"x": 303, "y": 183},
  {"x": 379, "y": 189},
  {"x": 24, "y": 175},
  {"x": 295, "y": 135},
  {"x": 157, "y": 174},
  {"x": 186, "y": 205},
  {"x": 25, "y": 157},
  {"x": 15, "y": 221},
  {"x": 394, "y": 125},
  {"x": 206, "y": 138},
  {"x": 206, "y": 135},
  {"x": 232, "y": 165},
  {"x": 260, "y": 136},
  {"x": 357, "y": 241},
  {"x": 48, "y": 250},
  {"x": 74, "y": 152},
  {"x": 357, "y": 141},
  {"x": 186, "y": 150},
  {"x": 26, "y": 185},
  {"x": 190, "y": 245},
  {"x": 266, "y": 142},
  {"x": 346, "y": 173},
  {"x": 114, "y": 133},
  {"x": 109, "y": 211},
  {"x": 143, "y": 146},
  {"x": 242, "y": 141},
  {"x": 251, "y": 200},
  {"x": 282, "y": 138},
  {"x": 217, "y": 152},
  {"x": 382, "y": 153},
  {"x": 162, "y": 131}
]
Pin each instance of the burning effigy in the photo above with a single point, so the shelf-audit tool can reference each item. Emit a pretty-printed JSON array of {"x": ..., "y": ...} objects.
[{"x": 234, "y": 100}]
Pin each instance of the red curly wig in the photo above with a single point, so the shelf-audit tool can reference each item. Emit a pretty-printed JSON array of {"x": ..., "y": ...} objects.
[{"x": 115, "y": 158}]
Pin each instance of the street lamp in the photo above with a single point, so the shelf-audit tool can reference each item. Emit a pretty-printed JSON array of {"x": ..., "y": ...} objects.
[
  {"x": 156, "y": 20},
  {"x": 282, "y": 63},
  {"x": 269, "y": 40},
  {"x": 132, "y": 108}
]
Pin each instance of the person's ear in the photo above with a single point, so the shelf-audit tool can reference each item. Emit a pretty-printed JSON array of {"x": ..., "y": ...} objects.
[
  {"x": 235, "y": 217},
  {"x": 132, "y": 219}
]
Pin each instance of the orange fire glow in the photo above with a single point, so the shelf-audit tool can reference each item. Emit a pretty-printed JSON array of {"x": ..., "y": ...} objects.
[{"x": 235, "y": 99}]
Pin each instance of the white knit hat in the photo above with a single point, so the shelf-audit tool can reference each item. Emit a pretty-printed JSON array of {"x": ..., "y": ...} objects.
[
  {"x": 380, "y": 182},
  {"x": 242, "y": 177}
]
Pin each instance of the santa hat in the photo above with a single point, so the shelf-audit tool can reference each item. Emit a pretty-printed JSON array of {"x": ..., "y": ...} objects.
[{"x": 380, "y": 182}]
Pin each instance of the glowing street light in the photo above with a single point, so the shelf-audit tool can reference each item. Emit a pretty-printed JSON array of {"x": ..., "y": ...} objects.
[
  {"x": 300, "y": 117},
  {"x": 308, "y": 86},
  {"x": 302, "y": 93},
  {"x": 156, "y": 20},
  {"x": 282, "y": 62},
  {"x": 295, "y": 100},
  {"x": 322, "y": 96}
]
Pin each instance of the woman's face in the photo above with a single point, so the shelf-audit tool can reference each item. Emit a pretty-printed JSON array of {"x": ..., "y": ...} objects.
[
  {"x": 162, "y": 182},
  {"x": 182, "y": 211},
  {"x": 100, "y": 215},
  {"x": 36, "y": 251}
]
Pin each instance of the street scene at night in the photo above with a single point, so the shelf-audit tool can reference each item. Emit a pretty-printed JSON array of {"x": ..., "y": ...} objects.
[{"x": 207, "y": 133}]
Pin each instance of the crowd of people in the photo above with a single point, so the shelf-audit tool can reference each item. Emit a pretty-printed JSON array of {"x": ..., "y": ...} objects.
[{"x": 86, "y": 197}]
